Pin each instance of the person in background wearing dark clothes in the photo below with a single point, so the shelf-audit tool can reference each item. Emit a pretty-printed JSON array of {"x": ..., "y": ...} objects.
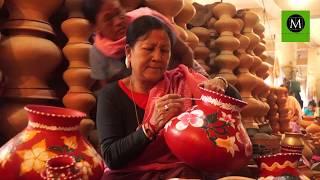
[{"x": 132, "y": 112}]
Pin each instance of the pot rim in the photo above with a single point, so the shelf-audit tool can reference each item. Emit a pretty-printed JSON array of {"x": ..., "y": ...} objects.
[
  {"x": 60, "y": 111},
  {"x": 241, "y": 102}
]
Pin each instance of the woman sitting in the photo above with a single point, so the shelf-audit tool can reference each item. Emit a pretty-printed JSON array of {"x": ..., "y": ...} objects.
[{"x": 132, "y": 112}]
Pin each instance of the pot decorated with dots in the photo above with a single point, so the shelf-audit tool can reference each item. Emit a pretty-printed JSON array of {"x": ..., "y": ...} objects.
[
  {"x": 51, "y": 132},
  {"x": 62, "y": 167},
  {"x": 210, "y": 136}
]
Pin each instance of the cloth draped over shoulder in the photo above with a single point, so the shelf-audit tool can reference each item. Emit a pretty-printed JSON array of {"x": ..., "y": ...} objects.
[
  {"x": 157, "y": 156},
  {"x": 115, "y": 49}
]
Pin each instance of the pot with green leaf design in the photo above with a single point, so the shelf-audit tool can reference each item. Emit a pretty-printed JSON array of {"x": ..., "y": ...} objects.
[{"x": 210, "y": 136}]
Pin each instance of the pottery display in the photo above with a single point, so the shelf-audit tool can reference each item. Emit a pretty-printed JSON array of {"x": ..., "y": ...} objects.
[
  {"x": 214, "y": 130},
  {"x": 51, "y": 131},
  {"x": 281, "y": 165}
]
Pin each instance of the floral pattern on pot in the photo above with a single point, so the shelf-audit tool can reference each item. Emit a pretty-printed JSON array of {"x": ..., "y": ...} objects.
[
  {"x": 195, "y": 118},
  {"x": 214, "y": 130},
  {"x": 51, "y": 131}
]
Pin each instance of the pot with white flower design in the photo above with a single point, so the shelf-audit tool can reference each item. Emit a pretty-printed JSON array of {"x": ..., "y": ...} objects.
[
  {"x": 51, "y": 131},
  {"x": 210, "y": 135}
]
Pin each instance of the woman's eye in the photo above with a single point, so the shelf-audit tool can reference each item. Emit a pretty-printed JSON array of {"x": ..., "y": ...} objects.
[{"x": 148, "y": 49}]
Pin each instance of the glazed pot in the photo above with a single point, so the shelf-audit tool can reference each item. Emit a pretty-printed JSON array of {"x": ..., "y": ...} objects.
[
  {"x": 214, "y": 130},
  {"x": 281, "y": 165},
  {"x": 51, "y": 131},
  {"x": 292, "y": 143}
]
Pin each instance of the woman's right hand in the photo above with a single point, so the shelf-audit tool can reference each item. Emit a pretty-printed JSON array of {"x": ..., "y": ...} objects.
[{"x": 165, "y": 108}]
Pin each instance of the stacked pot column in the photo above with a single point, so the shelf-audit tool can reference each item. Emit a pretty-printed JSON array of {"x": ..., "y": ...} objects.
[
  {"x": 246, "y": 80},
  {"x": 262, "y": 72},
  {"x": 254, "y": 42},
  {"x": 28, "y": 60},
  {"x": 77, "y": 76},
  {"x": 214, "y": 50},
  {"x": 226, "y": 26},
  {"x": 273, "y": 115},
  {"x": 170, "y": 9},
  {"x": 283, "y": 109},
  {"x": 201, "y": 52},
  {"x": 184, "y": 16}
]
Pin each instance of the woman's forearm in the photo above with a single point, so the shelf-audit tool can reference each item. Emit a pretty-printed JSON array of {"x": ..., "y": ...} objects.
[{"x": 121, "y": 151}]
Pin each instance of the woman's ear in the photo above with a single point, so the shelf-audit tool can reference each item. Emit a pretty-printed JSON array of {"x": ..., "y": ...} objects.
[{"x": 128, "y": 55}]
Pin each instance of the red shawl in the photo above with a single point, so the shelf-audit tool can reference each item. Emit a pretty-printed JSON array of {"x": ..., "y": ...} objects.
[{"x": 157, "y": 156}]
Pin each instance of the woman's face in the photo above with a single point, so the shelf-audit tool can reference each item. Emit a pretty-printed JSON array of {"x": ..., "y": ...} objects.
[
  {"x": 111, "y": 21},
  {"x": 150, "y": 55}
]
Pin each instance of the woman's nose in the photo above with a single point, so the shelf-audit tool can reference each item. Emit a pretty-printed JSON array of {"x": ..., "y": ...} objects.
[{"x": 157, "y": 54}]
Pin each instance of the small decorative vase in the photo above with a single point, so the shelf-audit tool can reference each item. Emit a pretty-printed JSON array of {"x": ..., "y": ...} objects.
[
  {"x": 292, "y": 143},
  {"x": 51, "y": 131},
  {"x": 61, "y": 167},
  {"x": 281, "y": 165},
  {"x": 214, "y": 130}
]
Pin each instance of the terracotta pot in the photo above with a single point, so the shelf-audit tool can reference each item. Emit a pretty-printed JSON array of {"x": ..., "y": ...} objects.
[
  {"x": 214, "y": 130},
  {"x": 130, "y": 5},
  {"x": 78, "y": 30},
  {"x": 77, "y": 54},
  {"x": 37, "y": 10},
  {"x": 61, "y": 167},
  {"x": 74, "y": 8},
  {"x": 78, "y": 79},
  {"x": 169, "y": 8},
  {"x": 51, "y": 131},
  {"x": 186, "y": 14},
  {"x": 278, "y": 165},
  {"x": 18, "y": 53}
]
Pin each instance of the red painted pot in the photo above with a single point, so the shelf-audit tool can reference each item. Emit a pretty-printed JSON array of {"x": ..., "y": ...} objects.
[
  {"x": 210, "y": 136},
  {"x": 51, "y": 131},
  {"x": 61, "y": 167},
  {"x": 278, "y": 165}
]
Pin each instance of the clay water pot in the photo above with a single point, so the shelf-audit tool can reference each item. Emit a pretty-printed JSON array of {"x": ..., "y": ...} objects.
[{"x": 214, "y": 130}]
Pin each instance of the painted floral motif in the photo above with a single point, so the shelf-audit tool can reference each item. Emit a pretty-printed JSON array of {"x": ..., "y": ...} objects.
[
  {"x": 35, "y": 158},
  {"x": 168, "y": 125},
  {"x": 194, "y": 118},
  {"x": 244, "y": 139},
  {"x": 227, "y": 118},
  {"x": 93, "y": 154},
  {"x": 71, "y": 142},
  {"x": 229, "y": 144},
  {"x": 85, "y": 169},
  {"x": 5, "y": 153},
  {"x": 28, "y": 135}
]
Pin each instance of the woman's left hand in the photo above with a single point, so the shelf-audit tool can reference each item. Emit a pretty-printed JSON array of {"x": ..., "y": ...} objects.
[{"x": 217, "y": 84}]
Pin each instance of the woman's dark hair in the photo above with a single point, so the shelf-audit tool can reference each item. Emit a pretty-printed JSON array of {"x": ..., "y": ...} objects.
[
  {"x": 91, "y": 8},
  {"x": 144, "y": 25},
  {"x": 312, "y": 103}
]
